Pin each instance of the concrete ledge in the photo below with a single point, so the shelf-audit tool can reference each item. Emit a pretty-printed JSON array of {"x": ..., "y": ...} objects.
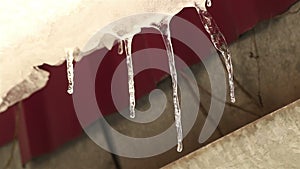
[{"x": 270, "y": 142}]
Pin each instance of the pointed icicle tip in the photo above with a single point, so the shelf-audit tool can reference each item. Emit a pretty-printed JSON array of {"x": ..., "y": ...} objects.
[
  {"x": 132, "y": 115},
  {"x": 208, "y": 3},
  {"x": 179, "y": 147},
  {"x": 232, "y": 99}
]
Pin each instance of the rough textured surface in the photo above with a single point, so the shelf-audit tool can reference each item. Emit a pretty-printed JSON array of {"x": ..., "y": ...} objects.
[
  {"x": 8, "y": 151},
  {"x": 270, "y": 142},
  {"x": 78, "y": 154},
  {"x": 279, "y": 50}
]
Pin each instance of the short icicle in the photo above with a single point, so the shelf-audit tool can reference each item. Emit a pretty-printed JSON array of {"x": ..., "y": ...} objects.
[
  {"x": 164, "y": 28},
  {"x": 70, "y": 70},
  {"x": 120, "y": 47},
  {"x": 219, "y": 43},
  {"x": 128, "y": 45}
]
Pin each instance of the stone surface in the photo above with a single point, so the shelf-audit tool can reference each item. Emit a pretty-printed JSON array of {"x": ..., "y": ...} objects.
[
  {"x": 81, "y": 153},
  {"x": 10, "y": 151},
  {"x": 270, "y": 142}
]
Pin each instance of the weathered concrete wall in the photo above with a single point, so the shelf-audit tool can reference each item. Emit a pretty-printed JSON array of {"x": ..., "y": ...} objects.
[
  {"x": 279, "y": 80},
  {"x": 270, "y": 142}
]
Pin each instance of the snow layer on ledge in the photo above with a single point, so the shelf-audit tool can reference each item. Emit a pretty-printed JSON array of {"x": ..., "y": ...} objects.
[
  {"x": 35, "y": 81},
  {"x": 36, "y": 32}
]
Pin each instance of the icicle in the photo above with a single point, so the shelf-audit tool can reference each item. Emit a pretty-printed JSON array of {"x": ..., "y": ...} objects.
[
  {"x": 220, "y": 44},
  {"x": 120, "y": 48},
  {"x": 166, "y": 35},
  {"x": 128, "y": 44},
  {"x": 70, "y": 70}
]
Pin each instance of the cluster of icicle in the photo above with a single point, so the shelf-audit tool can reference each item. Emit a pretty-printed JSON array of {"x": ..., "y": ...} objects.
[{"x": 217, "y": 39}]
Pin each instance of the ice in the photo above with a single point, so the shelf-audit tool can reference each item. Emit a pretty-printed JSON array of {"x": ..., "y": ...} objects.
[
  {"x": 70, "y": 70},
  {"x": 120, "y": 48},
  {"x": 51, "y": 26},
  {"x": 164, "y": 28},
  {"x": 219, "y": 43},
  {"x": 128, "y": 45},
  {"x": 209, "y": 3},
  {"x": 67, "y": 27}
]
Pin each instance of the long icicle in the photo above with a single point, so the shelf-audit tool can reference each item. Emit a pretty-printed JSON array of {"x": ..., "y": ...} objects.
[
  {"x": 70, "y": 70},
  {"x": 219, "y": 43},
  {"x": 166, "y": 35},
  {"x": 128, "y": 45}
]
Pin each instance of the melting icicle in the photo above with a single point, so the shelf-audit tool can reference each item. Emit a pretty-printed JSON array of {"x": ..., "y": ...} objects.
[
  {"x": 220, "y": 44},
  {"x": 166, "y": 35},
  {"x": 120, "y": 48},
  {"x": 70, "y": 70},
  {"x": 128, "y": 44}
]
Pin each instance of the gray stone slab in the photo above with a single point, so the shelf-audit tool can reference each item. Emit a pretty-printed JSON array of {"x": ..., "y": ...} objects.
[{"x": 270, "y": 142}]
